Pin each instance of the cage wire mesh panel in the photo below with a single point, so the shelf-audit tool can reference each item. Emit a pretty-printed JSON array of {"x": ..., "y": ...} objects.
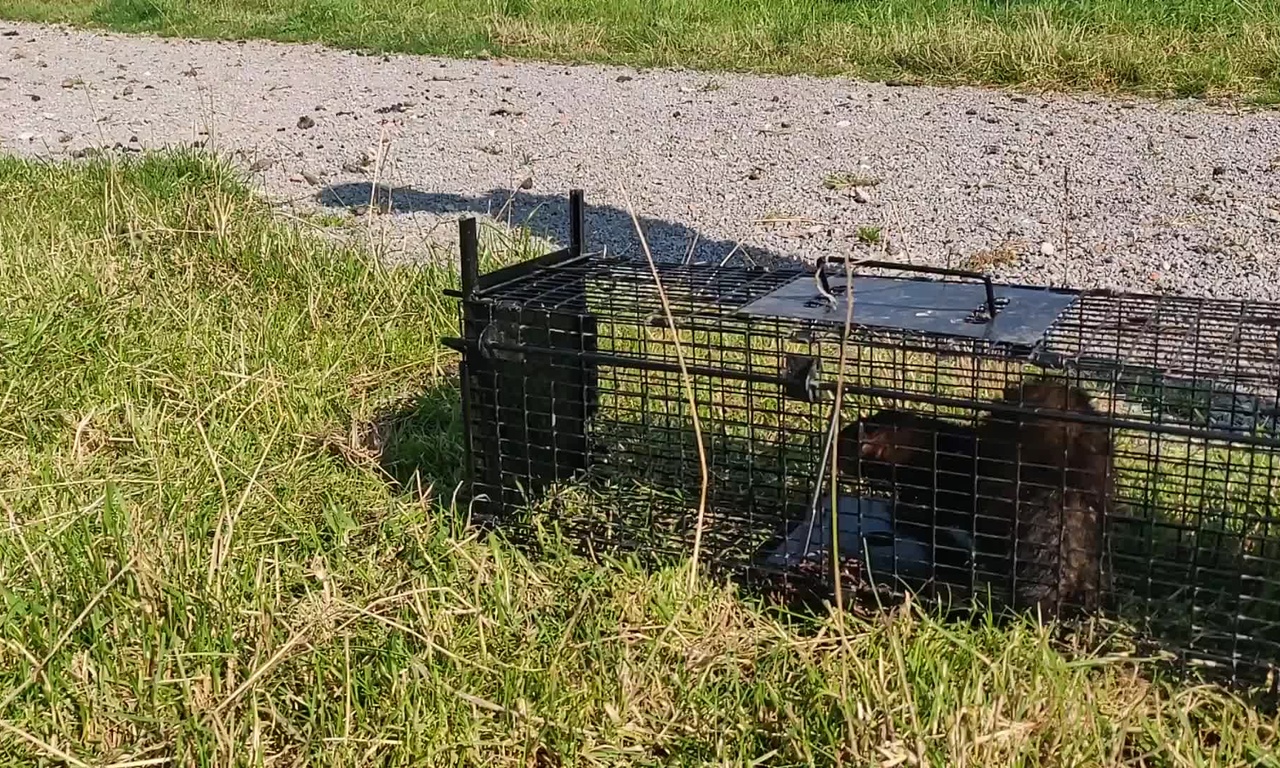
[{"x": 1051, "y": 449}]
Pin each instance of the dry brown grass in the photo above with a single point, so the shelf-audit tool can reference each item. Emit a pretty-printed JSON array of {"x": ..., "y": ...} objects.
[{"x": 1005, "y": 254}]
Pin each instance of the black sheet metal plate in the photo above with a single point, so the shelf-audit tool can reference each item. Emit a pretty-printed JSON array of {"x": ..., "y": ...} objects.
[{"x": 928, "y": 306}]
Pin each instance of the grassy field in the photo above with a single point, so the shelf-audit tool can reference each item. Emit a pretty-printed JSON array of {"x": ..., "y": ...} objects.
[
  {"x": 206, "y": 559},
  {"x": 1182, "y": 47}
]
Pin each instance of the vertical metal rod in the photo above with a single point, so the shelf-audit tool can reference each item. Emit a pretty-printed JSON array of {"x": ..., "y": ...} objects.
[
  {"x": 469, "y": 245},
  {"x": 469, "y": 260},
  {"x": 577, "y": 222},
  {"x": 468, "y": 445}
]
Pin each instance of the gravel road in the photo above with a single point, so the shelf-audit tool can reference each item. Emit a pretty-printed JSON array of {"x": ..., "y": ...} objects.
[{"x": 1176, "y": 197}]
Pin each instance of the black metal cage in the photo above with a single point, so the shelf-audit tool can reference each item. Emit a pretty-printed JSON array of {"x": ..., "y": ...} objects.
[{"x": 1043, "y": 448}]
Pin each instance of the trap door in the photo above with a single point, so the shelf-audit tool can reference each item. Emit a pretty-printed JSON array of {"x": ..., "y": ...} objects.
[{"x": 528, "y": 414}]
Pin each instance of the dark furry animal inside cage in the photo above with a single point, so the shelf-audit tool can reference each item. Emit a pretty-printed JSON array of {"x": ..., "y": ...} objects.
[{"x": 1035, "y": 449}]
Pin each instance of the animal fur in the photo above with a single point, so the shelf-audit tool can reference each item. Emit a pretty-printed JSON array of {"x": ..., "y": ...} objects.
[
  {"x": 1051, "y": 481},
  {"x": 1018, "y": 501}
]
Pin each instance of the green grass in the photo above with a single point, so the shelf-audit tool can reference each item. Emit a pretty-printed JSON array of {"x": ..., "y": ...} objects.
[
  {"x": 1182, "y": 47},
  {"x": 205, "y": 560}
]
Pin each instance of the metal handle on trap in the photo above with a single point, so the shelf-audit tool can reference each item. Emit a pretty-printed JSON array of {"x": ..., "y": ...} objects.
[{"x": 947, "y": 271}]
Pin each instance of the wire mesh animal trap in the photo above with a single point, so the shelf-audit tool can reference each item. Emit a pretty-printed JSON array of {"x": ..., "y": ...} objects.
[{"x": 1053, "y": 449}]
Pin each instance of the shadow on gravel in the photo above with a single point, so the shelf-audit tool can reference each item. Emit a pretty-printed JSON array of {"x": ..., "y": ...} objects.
[{"x": 547, "y": 216}]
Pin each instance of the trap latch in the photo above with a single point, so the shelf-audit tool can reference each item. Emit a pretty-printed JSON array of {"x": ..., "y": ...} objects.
[
  {"x": 982, "y": 314},
  {"x": 802, "y": 380}
]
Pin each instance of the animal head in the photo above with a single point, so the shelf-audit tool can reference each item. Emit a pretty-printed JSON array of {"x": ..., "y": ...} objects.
[{"x": 887, "y": 438}]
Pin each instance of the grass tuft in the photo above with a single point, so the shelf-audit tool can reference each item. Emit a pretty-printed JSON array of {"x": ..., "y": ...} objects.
[
  {"x": 227, "y": 457},
  {"x": 869, "y": 235}
]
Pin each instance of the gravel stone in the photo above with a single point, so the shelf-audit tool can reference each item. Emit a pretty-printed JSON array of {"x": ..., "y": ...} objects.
[{"x": 1139, "y": 218}]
